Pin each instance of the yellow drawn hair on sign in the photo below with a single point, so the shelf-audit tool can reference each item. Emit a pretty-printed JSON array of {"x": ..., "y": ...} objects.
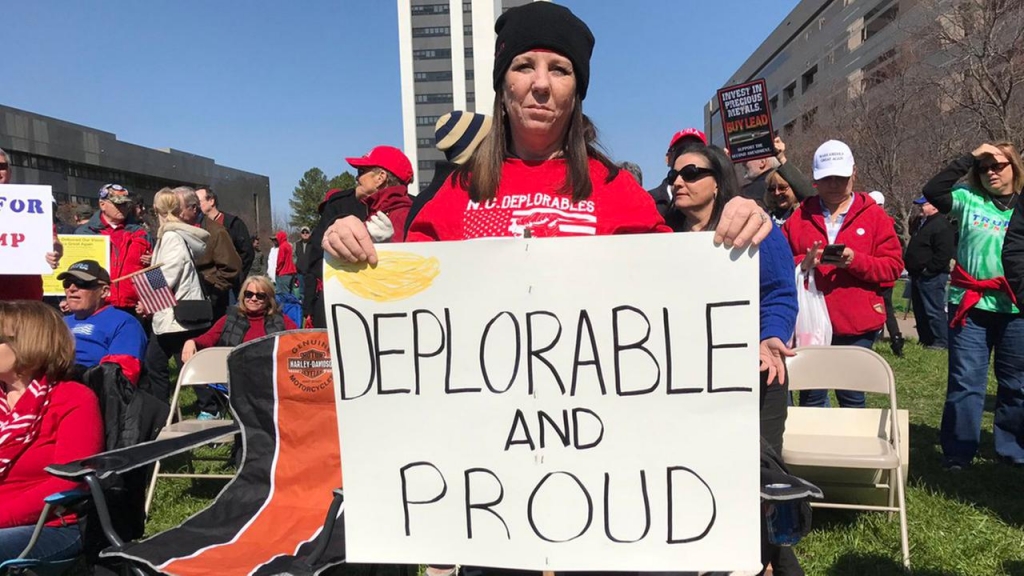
[
  {"x": 77, "y": 248},
  {"x": 398, "y": 275}
]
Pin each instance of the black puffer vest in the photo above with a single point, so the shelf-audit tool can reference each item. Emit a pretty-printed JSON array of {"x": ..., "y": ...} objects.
[{"x": 237, "y": 325}]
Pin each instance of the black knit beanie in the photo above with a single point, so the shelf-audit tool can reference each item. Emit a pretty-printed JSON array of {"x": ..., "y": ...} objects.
[{"x": 543, "y": 25}]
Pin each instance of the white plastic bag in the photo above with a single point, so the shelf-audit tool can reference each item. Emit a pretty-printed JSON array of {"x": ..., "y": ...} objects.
[{"x": 813, "y": 325}]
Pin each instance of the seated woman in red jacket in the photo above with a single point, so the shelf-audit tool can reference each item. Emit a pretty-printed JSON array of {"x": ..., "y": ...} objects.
[
  {"x": 44, "y": 420},
  {"x": 256, "y": 315}
]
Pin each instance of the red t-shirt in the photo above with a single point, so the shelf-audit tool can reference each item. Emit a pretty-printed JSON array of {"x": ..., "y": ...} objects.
[
  {"x": 71, "y": 429},
  {"x": 527, "y": 198}
]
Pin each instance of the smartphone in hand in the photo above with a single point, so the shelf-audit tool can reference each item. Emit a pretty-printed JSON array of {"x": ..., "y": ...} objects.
[{"x": 833, "y": 253}]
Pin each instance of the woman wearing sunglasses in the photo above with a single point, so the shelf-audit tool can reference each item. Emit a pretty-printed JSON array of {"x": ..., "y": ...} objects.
[
  {"x": 982, "y": 312},
  {"x": 256, "y": 315},
  {"x": 703, "y": 180}
]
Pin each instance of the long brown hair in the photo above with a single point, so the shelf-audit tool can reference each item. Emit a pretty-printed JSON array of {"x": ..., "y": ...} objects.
[
  {"x": 1012, "y": 156},
  {"x": 41, "y": 341},
  {"x": 481, "y": 175}
]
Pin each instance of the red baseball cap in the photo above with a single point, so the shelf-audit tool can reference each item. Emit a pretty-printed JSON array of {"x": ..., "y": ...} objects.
[
  {"x": 387, "y": 157},
  {"x": 688, "y": 133}
]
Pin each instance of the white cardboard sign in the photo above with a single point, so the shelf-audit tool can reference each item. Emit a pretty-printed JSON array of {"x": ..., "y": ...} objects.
[
  {"x": 550, "y": 404},
  {"x": 26, "y": 228}
]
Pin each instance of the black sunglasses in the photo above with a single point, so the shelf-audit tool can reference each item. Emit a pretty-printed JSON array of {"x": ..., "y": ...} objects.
[
  {"x": 690, "y": 173},
  {"x": 257, "y": 295},
  {"x": 993, "y": 167},
  {"x": 81, "y": 284},
  {"x": 4, "y": 165}
]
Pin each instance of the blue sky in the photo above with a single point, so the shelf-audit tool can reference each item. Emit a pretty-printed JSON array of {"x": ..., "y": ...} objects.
[{"x": 277, "y": 88}]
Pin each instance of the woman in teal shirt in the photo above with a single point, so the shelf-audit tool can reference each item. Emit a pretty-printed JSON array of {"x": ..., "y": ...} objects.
[{"x": 982, "y": 311}]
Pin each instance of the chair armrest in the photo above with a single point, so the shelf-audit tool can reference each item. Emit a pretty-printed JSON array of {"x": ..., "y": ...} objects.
[
  {"x": 125, "y": 459},
  {"x": 66, "y": 498}
]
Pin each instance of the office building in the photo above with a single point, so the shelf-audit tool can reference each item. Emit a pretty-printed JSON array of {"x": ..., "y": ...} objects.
[
  {"x": 443, "y": 71},
  {"x": 822, "y": 44},
  {"x": 77, "y": 160}
]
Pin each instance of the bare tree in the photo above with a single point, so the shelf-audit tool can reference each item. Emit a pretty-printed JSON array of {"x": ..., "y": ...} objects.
[{"x": 982, "y": 72}]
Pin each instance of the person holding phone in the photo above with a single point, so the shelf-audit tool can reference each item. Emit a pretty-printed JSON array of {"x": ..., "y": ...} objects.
[{"x": 850, "y": 245}]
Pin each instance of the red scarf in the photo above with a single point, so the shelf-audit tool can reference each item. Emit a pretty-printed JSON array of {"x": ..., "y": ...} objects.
[
  {"x": 973, "y": 291},
  {"x": 19, "y": 424}
]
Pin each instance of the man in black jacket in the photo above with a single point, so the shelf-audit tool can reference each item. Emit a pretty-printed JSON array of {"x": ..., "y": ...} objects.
[
  {"x": 927, "y": 259},
  {"x": 239, "y": 232},
  {"x": 302, "y": 257}
]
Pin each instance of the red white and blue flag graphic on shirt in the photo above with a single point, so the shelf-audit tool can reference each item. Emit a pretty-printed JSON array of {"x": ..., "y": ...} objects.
[{"x": 543, "y": 214}]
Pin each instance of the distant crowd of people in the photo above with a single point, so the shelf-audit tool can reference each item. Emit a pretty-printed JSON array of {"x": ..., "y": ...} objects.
[{"x": 536, "y": 148}]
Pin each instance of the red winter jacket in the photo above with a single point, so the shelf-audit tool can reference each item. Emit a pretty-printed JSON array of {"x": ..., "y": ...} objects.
[
  {"x": 527, "y": 199},
  {"x": 395, "y": 202},
  {"x": 853, "y": 294},
  {"x": 128, "y": 243},
  {"x": 285, "y": 255}
]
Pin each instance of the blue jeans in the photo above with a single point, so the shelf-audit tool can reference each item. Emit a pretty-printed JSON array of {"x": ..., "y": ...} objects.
[
  {"x": 847, "y": 398},
  {"x": 969, "y": 348},
  {"x": 54, "y": 544},
  {"x": 283, "y": 284},
  {"x": 928, "y": 298}
]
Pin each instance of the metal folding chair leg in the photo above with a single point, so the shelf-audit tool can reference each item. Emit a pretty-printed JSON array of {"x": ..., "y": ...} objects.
[{"x": 901, "y": 496}]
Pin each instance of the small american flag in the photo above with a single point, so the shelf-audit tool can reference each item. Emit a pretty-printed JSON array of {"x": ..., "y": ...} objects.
[{"x": 153, "y": 290}]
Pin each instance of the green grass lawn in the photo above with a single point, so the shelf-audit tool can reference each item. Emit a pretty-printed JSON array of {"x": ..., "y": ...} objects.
[{"x": 969, "y": 523}]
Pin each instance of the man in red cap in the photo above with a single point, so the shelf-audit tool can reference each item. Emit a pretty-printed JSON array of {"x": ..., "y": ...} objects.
[
  {"x": 380, "y": 198},
  {"x": 662, "y": 193}
]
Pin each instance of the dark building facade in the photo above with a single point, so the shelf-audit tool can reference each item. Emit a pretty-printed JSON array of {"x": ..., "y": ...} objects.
[{"x": 77, "y": 160}]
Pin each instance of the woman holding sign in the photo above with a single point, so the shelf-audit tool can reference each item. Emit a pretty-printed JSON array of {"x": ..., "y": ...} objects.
[{"x": 539, "y": 171}]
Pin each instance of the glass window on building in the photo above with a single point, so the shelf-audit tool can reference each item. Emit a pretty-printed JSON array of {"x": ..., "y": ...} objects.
[
  {"x": 879, "y": 18},
  {"x": 430, "y": 31},
  {"x": 788, "y": 94},
  {"x": 424, "y": 9},
  {"x": 439, "y": 76},
  {"x": 424, "y": 142},
  {"x": 807, "y": 79},
  {"x": 434, "y": 98},
  {"x": 426, "y": 120},
  {"x": 432, "y": 54}
]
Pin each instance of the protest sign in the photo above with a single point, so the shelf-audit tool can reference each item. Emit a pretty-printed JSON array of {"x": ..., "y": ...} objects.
[
  {"x": 77, "y": 248},
  {"x": 747, "y": 121},
  {"x": 26, "y": 228},
  {"x": 550, "y": 404}
]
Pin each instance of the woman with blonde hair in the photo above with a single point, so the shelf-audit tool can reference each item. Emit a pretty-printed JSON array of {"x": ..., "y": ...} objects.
[
  {"x": 256, "y": 315},
  {"x": 44, "y": 420},
  {"x": 178, "y": 245},
  {"x": 983, "y": 313}
]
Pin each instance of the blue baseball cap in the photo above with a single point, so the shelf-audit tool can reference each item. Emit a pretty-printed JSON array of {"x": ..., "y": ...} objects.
[{"x": 921, "y": 200}]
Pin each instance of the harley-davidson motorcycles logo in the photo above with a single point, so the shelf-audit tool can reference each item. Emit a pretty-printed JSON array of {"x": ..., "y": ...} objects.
[{"x": 309, "y": 367}]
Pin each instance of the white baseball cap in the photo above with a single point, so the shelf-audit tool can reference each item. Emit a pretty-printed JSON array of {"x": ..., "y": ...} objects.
[
  {"x": 833, "y": 158},
  {"x": 878, "y": 197}
]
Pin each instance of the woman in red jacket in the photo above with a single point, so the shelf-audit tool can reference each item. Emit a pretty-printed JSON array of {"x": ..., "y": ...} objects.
[
  {"x": 43, "y": 420},
  {"x": 867, "y": 256}
]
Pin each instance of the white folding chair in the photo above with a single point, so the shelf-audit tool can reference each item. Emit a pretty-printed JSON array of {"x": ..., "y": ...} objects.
[
  {"x": 209, "y": 366},
  {"x": 857, "y": 456}
]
